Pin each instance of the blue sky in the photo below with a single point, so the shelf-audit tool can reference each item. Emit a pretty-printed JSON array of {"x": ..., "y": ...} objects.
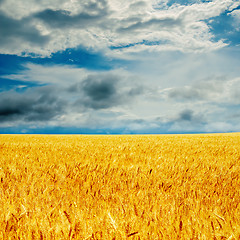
[{"x": 119, "y": 67}]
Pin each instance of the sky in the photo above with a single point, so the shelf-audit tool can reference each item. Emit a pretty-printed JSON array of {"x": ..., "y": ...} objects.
[{"x": 119, "y": 67}]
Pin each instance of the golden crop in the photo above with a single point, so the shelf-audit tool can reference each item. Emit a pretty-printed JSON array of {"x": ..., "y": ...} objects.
[{"x": 120, "y": 187}]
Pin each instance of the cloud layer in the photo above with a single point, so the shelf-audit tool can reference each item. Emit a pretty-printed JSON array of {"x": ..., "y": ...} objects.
[
  {"x": 112, "y": 26},
  {"x": 37, "y": 105},
  {"x": 118, "y": 99}
]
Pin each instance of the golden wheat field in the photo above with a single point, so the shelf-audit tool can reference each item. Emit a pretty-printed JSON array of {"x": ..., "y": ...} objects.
[{"x": 120, "y": 186}]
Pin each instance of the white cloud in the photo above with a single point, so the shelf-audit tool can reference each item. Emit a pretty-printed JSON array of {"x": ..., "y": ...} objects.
[
  {"x": 236, "y": 16},
  {"x": 140, "y": 25},
  {"x": 58, "y": 75}
]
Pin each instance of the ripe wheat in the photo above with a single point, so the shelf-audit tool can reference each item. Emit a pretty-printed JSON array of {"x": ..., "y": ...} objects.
[{"x": 120, "y": 187}]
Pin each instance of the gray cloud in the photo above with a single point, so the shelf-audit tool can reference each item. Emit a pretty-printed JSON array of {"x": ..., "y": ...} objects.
[
  {"x": 39, "y": 105},
  {"x": 99, "y": 94},
  {"x": 185, "y": 94},
  {"x": 72, "y": 95},
  {"x": 64, "y": 19},
  {"x": 159, "y": 23},
  {"x": 102, "y": 91},
  {"x": 190, "y": 116},
  {"x": 186, "y": 115},
  {"x": 186, "y": 120},
  {"x": 11, "y": 31},
  {"x": 202, "y": 90},
  {"x": 91, "y": 14},
  {"x": 138, "y": 4}
]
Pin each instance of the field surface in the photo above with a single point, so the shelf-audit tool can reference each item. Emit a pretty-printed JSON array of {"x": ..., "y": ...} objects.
[{"x": 120, "y": 187}]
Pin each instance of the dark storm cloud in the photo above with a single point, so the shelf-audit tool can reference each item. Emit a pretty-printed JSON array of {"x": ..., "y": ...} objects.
[
  {"x": 100, "y": 92},
  {"x": 100, "y": 89},
  {"x": 41, "y": 105},
  {"x": 12, "y": 30},
  {"x": 186, "y": 115},
  {"x": 104, "y": 91},
  {"x": 93, "y": 12},
  {"x": 190, "y": 116}
]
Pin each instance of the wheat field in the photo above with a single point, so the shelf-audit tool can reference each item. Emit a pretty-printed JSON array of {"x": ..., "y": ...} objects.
[{"x": 120, "y": 186}]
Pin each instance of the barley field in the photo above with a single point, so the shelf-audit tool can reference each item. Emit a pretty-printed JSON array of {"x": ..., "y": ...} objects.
[{"x": 120, "y": 186}]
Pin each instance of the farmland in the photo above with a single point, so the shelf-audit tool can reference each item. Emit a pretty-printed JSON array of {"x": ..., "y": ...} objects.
[{"x": 120, "y": 186}]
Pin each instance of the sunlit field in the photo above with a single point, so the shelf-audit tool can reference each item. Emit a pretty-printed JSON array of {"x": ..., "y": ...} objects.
[{"x": 120, "y": 187}]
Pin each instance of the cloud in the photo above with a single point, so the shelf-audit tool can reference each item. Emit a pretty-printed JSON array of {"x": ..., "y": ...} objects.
[
  {"x": 190, "y": 116},
  {"x": 188, "y": 120},
  {"x": 100, "y": 89},
  {"x": 19, "y": 10},
  {"x": 92, "y": 14},
  {"x": 114, "y": 27},
  {"x": 170, "y": 93},
  {"x": 99, "y": 92},
  {"x": 70, "y": 96},
  {"x": 236, "y": 16},
  {"x": 186, "y": 93},
  {"x": 218, "y": 90},
  {"x": 186, "y": 115},
  {"x": 106, "y": 90},
  {"x": 165, "y": 23},
  {"x": 14, "y": 32},
  {"x": 41, "y": 104}
]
